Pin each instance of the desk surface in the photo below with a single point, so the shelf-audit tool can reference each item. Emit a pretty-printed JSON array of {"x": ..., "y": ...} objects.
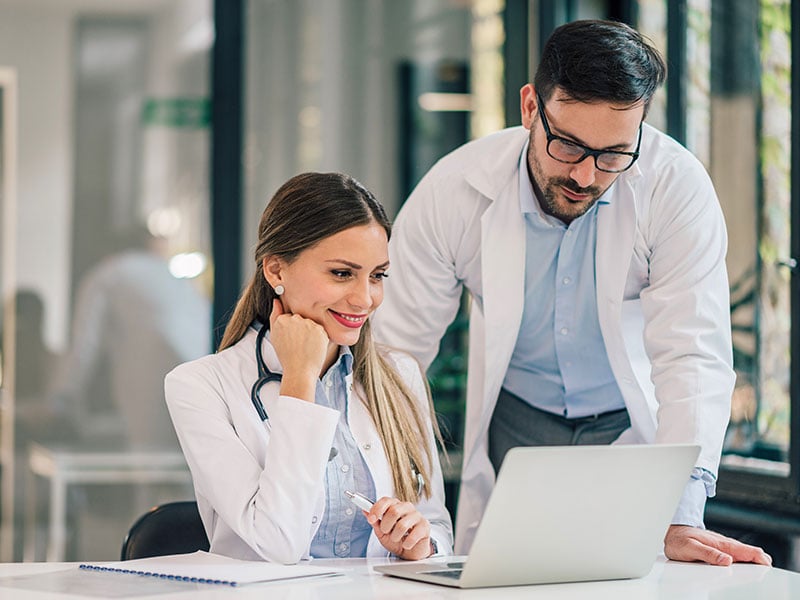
[{"x": 667, "y": 580}]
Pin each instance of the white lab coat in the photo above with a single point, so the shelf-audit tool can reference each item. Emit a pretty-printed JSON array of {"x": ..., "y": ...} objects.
[
  {"x": 662, "y": 293},
  {"x": 260, "y": 487}
]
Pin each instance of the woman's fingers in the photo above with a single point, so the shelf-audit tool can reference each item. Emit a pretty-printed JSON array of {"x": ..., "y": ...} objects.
[{"x": 401, "y": 528}]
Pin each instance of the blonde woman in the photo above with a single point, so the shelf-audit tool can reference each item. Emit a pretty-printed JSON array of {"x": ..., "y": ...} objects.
[{"x": 299, "y": 409}]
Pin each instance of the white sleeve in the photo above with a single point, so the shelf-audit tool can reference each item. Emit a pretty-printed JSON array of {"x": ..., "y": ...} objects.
[
  {"x": 422, "y": 291},
  {"x": 271, "y": 507},
  {"x": 687, "y": 312}
]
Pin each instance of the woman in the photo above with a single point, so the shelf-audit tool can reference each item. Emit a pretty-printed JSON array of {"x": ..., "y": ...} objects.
[{"x": 271, "y": 460}]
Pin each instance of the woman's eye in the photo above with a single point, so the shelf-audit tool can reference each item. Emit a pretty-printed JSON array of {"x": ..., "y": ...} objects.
[
  {"x": 341, "y": 274},
  {"x": 380, "y": 276}
]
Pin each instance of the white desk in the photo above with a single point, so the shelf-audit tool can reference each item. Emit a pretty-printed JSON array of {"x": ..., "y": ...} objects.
[
  {"x": 67, "y": 466},
  {"x": 667, "y": 581}
]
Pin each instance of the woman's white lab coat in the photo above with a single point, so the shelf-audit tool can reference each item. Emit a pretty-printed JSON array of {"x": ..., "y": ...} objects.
[
  {"x": 662, "y": 293},
  {"x": 260, "y": 487}
]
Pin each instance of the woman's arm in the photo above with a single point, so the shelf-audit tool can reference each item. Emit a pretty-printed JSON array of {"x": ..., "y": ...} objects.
[{"x": 263, "y": 483}]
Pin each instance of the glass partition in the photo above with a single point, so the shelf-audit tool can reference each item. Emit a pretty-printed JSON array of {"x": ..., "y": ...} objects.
[
  {"x": 8, "y": 170},
  {"x": 112, "y": 262}
]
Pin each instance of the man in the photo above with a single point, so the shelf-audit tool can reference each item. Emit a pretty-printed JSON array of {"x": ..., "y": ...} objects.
[{"x": 593, "y": 248}]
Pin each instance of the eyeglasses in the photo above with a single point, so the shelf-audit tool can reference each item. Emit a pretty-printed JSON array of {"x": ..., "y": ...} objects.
[{"x": 567, "y": 151}]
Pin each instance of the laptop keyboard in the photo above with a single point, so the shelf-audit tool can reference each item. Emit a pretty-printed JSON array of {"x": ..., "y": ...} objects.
[
  {"x": 450, "y": 574},
  {"x": 453, "y": 571}
]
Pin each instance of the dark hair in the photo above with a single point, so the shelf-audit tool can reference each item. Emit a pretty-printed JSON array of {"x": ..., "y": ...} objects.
[
  {"x": 305, "y": 210},
  {"x": 600, "y": 60}
]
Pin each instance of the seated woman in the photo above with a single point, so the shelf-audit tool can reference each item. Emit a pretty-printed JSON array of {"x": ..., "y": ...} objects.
[{"x": 299, "y": 407}]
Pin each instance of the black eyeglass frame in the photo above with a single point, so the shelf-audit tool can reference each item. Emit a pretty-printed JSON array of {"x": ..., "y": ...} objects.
[{"x": 551, "y": 137}]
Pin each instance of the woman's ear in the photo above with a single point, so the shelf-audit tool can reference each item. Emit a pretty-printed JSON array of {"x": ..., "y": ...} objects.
[{"x": 272, "y": 266}]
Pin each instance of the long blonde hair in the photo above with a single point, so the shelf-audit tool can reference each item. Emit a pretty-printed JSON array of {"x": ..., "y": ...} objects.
[{"x": 305, "y": 210}]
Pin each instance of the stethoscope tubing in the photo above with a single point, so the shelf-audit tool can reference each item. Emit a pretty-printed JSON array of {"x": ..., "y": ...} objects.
[{"x": 265, "y": 376}]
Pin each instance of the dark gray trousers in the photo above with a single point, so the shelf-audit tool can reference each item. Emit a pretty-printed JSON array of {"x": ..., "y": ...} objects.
[{"x": 517, "y": 423}]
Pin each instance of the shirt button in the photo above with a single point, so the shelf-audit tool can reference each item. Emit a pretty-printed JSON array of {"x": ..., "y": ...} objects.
[
  {"x": 328, "y": 383},
  {"x": 345, "y": 468},
  {"x": 569, "y": 363},
  {"x": 567, "y": 280},
  {"x": 564, "y": 331},
  {"x": 343, "y": 547},
  {"x": 313, "y": 519},
  {"x": 348, "y": 511},
  {"x": 367, "y": 446}
]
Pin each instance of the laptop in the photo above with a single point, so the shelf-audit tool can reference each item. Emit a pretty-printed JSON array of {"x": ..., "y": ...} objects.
[{"x": 568, "y": 513}]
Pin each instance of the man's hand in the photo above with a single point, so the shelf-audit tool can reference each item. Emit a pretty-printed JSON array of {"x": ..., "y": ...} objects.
[{"x": 690, "y": 544}]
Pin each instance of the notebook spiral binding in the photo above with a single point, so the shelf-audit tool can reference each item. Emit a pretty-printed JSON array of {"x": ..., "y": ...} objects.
[{"x": 159, "y": 575}]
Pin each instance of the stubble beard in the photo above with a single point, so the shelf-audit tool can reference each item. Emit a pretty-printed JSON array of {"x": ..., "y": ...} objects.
[{"x": 549, "y": 191}]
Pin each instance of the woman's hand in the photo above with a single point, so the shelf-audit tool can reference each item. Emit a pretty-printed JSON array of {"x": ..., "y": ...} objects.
[
  {"x": 301, "y": 346},
  {"x": 400, "y": 528}
]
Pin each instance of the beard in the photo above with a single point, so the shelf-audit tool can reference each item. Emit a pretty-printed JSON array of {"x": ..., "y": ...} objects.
[
  {"x": 556, "y": 205},
  {"x": 551, "y": 197}
]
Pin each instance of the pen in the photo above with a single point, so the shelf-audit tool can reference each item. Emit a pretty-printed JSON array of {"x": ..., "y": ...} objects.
[{"x": 359, "y": 500}]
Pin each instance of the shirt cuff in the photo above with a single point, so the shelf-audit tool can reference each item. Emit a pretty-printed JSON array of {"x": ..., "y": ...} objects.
[{"x": 702, "y": 484}]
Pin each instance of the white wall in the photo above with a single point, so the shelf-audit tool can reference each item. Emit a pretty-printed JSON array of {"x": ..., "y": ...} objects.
[
  {"x": 36, "y": 38},
  {"x": 37, "y": 43}
]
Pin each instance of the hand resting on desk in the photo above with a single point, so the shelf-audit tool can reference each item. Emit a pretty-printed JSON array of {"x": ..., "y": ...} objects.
[{"x": 690, "y": 544}]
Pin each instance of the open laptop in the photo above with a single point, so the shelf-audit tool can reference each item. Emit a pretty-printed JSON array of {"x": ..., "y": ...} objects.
[{"x": 569, "y": 513}]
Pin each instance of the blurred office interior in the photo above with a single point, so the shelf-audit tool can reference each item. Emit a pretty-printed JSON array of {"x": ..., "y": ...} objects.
[{"x": 177, "y": 119}]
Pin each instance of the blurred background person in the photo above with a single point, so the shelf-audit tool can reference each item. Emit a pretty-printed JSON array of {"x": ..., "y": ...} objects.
[
  {"x": 34, "y": 367},
  {"x": 133, "y": 322}
]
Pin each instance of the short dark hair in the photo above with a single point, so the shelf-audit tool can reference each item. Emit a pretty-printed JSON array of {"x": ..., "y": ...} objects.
[{"x": 600, "y": 61}]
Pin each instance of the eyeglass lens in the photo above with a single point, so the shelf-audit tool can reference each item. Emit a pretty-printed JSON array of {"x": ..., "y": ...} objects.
[{"x": 567, "y": 152}]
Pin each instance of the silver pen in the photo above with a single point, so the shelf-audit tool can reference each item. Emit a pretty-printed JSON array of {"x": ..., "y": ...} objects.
[{"x": 359, "y": 500}]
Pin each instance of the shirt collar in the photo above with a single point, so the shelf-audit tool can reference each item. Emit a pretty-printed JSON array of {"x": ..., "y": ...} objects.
[{"x": 345, "y": 360}]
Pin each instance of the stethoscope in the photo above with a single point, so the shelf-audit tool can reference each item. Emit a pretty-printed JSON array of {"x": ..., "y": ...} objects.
[{"x": 265, "y": 376}]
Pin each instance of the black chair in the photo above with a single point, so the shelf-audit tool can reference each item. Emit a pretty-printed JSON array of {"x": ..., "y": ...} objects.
[{"x": 172, "y": 528}]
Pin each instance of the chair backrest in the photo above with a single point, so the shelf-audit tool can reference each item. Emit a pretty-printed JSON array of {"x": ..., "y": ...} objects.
[{"x": 172, "y": 528}]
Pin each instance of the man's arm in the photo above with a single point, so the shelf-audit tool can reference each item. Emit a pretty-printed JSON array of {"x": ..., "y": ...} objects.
[
  {"x": 422, "y": 290},
  {"x": 687, "y": 336}
]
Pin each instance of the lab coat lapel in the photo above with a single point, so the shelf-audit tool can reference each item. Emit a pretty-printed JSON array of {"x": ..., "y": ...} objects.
[
  {"x": 503, "y": 273},
  {"x": 616, "y": 225}
]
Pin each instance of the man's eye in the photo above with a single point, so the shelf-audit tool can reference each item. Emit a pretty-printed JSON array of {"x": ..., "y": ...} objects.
[{"x": 571, "y": 148}]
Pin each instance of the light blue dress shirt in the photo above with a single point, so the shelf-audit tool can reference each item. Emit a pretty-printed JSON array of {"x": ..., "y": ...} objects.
[
  {"x": 343, "y": 532},
  {"x": 560, "y": 363}
]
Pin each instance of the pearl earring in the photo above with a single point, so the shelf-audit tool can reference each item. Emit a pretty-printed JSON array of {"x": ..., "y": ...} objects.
[{"x": 279, "y": 289}]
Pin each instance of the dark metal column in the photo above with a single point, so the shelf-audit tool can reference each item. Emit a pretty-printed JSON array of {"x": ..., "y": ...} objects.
[{"x": 227, "y": 114}]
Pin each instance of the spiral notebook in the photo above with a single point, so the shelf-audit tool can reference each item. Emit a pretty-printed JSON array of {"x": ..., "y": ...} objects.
[{"x": 204, "y": 567}]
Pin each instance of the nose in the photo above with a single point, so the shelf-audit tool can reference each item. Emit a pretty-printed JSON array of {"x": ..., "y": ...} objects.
[
  {"x": 584, "y": 172},
  {"x": 361, "y": 295}
]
